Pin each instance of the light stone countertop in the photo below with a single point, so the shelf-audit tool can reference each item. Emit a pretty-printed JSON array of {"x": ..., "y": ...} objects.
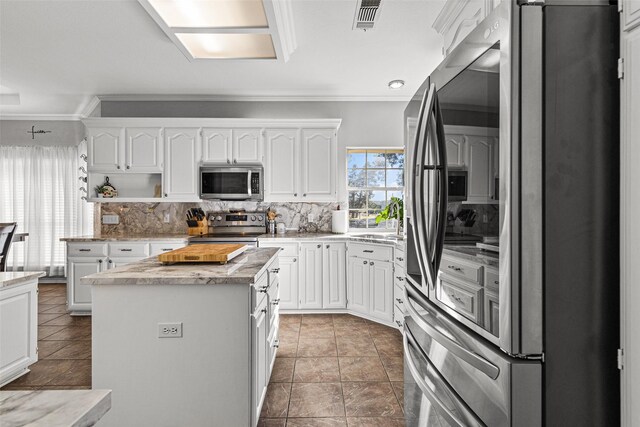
[
  {"x": 381, "y": 238},
  {"x": 244, "y": 269},
  {"x": 473, "y": 254},
  {"x": 126, "y": 237},
  {"x": 53, "y": 408},
  {"x": 18, "y": 278}
]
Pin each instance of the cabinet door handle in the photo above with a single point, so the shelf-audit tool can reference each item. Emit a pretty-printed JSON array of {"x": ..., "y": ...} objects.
[
  {"x": 400, "y": 259},
  {"x": 276, "y": 344},
  {"x": 400, "y": 278},
  {"x": 368, "y": 251},
  {"x": 275, "y": 301},
  {"x": 399, "y": 301},
  {"x": 454, "y": 268},
  {"x": 126, "y": 250},
  {"x": 399, "y": 323},
  {"x": 364, "y": 262},
  {"x": 275, "y": 270},
  {"x": 84, "y": 250},
  {"x": 167, "y": 249},
  {"x": 264, "y": 310}
]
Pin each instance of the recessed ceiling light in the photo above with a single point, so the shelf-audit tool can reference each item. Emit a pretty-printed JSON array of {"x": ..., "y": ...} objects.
[
  {"x": 396, "y": 84},
  {"x": 228, "y": 46},
  {"x": 211, "y": 14}
]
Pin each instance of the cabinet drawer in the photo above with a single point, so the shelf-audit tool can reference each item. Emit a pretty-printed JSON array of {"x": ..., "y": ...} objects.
[
  {"x": 465, "y": 299},
  {"x": 398, "y": 257},
  {"x": 398, "y": 297},
  {"x": 259, "y": 291},
  {"x": 379, "y": 253},
  {"x": 398, "y": 317},
  {"x": 286, "y": 249},
  {"x": 398, "y": 277},
  {"x": 128, "y": 249},
  {"x": 491, "y": 279},
  {"x": 466, "y": 270},
  {"x": 87, "y": 249},
  {"x": 159, "y": 247}
]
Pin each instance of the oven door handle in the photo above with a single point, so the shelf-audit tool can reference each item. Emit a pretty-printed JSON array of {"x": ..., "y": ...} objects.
[
  {"x": 470, "y": 419},
  {"x": 473, "y": 359}
]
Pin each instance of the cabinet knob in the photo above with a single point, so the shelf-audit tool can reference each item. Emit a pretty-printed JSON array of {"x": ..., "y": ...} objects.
[
  {"x": 295, "y": 194},
  {"x": 128, "y": 167},
  {"x": 365, "y": 262},
  {"x": 118, "y": 167},
  {"x": 371, "y": 263},
  {"x": 235, "y": 160},
  {"x": 110, "y": 262},
  {"x": 295, "y": 260},
  {"x": 304, "y": 195},
  {"x": 276, "y": 344},
  {"x": 328, "y": 246},
  {"x": 228, "y": 161},
  {"x": 99, "y": 261},
  {"x": 319, "y": 246},
  {"x": 165, "y": 195}
]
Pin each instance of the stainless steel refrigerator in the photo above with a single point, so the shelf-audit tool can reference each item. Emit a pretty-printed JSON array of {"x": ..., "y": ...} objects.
[{"x": 542, "y": 75}]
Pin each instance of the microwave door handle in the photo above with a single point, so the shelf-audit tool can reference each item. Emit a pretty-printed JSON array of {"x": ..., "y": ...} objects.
[
  {"x": 249, "y": 182},
  {"x": 469, "y": 418},
  {"x": 473, "y": 359}
]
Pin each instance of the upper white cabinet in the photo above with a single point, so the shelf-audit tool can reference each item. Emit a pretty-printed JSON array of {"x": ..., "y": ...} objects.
[
  {"x": 631, "y": 13},
  {"x": 231, "y": 146},
  {"x": 247, "y": 146},
  {"x": 143, "y": 150},
  {"x": 216, "y": 145},
  {"x": 105, "y": 146},
  {"x": 334, "y": 289},
  {"x": 182, "y": 151},
  {"x": 455, "y": 150},
  {"x": 480, "y": 168},
  {"x": 459, "y": 18},
  {"x": 319, "y": 154},
  {"x": 281, "y": 170}
]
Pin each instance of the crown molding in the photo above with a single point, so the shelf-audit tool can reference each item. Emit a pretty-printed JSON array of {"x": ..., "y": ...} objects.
[
  {"x": 89, "y": 106},
  {"x": 41, "y": 117},
  {"x": 448, "y": 14},
  {"x": 256, "y": 98},
  {"x": 210, "y": 122}
]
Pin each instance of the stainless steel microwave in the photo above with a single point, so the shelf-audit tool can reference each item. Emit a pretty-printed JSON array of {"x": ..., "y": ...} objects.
[
  {"x": 457, "y": 185},
  {"x": 231, "y": 183}
]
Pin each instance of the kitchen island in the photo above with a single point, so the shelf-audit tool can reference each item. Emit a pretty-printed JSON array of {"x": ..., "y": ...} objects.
[{"x": 186, "y": 344}]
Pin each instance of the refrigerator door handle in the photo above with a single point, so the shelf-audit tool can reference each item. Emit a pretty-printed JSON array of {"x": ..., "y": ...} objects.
[
  {"x": 470, "y": 419},
  {"x": 473, "y": 359},
  {"x": 443, "y": 196}
]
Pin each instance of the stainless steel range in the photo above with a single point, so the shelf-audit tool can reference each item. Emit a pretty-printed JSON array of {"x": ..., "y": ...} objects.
[{"x": 233, "y": 227}]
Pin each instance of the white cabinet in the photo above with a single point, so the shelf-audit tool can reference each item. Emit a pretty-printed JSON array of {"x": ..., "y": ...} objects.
[
  {"x": 480, "y": 168},
  {"x": 247, "y": 146},
  {"x": 231, "y": 146},
  {"x": 310, "y": 289},
  {"x": 281, "y": 170},
  {"x": 631, "y": 13},
  {"x": 381, "y": 288},
  {"x": 143, "y": 150},
  {"x": 104, "y": 149},
  {"x": 455, "y": 150},
  {"x": 289, "y": 280},
  {"x": 259, "y": 359},
  {"x": 457, "y": 19},
  {"x": 358, "y": 285},
  {"x": 18, "y": 329},
  {"x": 334, "y": 289},
  {"x": 216, "y": 145},
  {"x": 319, "y": 164},
  {"x": 182, "y": 156},
  {"x": 79, "y": 295}
]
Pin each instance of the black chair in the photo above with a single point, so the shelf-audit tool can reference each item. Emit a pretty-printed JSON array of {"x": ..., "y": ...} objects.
[{"x": 6, "y": 235}]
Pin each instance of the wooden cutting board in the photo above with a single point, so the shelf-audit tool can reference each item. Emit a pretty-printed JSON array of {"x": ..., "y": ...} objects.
[{"x": 214, "y": 252}]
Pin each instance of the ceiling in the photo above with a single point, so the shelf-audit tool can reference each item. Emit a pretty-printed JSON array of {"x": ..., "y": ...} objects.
[{"x": 58, "y": 55}]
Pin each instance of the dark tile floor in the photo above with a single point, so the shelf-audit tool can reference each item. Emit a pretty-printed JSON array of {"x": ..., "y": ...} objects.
[
  {"x": 335, "y": 370},
  {"x": 331, "y": 370},
  {"x": 64, "y": 346}
]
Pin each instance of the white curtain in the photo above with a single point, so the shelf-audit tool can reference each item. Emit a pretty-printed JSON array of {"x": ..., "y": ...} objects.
[{"x": 40, "y": 190}]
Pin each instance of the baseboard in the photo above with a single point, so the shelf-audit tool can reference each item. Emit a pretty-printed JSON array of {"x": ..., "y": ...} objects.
[
  {"x": 62, "y": 280},
  {"x": 338, "y": 311}
]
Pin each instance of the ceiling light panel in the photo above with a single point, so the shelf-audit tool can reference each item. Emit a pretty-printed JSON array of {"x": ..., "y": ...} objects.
[
  {"x": 211, "y": 13},
  {"x": 228, "y": 46}
]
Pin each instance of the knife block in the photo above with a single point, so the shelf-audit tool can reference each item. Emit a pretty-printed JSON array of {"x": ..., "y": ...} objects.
[{"x": 201, "y": 228}]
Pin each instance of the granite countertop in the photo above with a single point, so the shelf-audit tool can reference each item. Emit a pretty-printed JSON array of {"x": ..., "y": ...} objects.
[
  {"x": 243, "y": 269},
  {"x": 472, "y": 253},
  {"x": 126, "y": 237},
  {"x": 387, "y": 239},
  {"x": 53, "y": 408},
  {"x": 18, "y": 278}
]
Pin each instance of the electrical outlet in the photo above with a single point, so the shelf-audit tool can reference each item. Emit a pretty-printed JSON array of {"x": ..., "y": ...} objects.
[
  {"x": 167, "y": 217},
  {"x": 170, "y": 330},
  {"x": 111, "y": 219},
  {"x": 485, "y": 218},
  {"x": 311, "y": 217}
]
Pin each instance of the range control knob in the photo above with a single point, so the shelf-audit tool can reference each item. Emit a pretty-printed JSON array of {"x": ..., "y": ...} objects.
[
  {"x": 253, "y": 217},
  {"x": 218, "y": 218},
  {"x": 260, "y": 218}
]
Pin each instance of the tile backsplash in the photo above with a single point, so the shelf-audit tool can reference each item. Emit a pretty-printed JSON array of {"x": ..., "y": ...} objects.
[{"x": 148, "y": 218}]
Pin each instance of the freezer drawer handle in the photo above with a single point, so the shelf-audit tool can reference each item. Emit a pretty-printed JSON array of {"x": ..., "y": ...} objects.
[
  {"x": 480, "y": 363},
  {"x": 454, "y": 268},
  {"x": 470, "y": 419}
]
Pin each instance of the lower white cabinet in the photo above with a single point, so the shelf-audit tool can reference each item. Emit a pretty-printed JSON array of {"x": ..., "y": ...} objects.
[
  {"x": 84, "y": 259},
  {"x": 358, "y": 285},
  {"x": 289, "y": 279},
  {"x": 381, "y": 288},
  {"x": 259, "y": 358},
  {"x": 18, "y": 329},
  {"x": 310, "y": 289},
  {"x": 334, "y": 284}
]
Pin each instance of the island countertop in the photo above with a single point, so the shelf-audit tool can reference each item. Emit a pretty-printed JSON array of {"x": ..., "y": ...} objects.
[
  {"x": 243, "y": 269},
  {"x": 18, "y": 277}
]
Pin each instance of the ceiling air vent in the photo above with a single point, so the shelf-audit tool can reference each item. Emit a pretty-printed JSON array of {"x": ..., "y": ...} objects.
[{"x": 366, "y": 13}]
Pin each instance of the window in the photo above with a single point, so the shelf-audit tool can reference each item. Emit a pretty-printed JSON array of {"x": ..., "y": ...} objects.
[{"x": 373, "y": 177}]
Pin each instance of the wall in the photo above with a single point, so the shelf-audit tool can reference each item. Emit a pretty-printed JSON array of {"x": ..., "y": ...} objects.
[
  {"x": 63, "y": 132},
  {"x": 148, "y": 218}
]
